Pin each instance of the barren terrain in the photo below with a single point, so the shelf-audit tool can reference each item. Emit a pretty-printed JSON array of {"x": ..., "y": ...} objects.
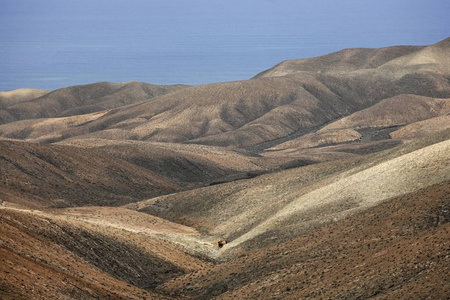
[{"x": 320, "y": 178}]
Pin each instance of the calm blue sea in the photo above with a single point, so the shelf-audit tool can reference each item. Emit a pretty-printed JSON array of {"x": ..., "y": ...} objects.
[{"x": 52, "y": 44}]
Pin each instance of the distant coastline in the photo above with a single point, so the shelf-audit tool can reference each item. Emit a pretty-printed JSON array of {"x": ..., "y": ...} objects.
[{"x": 55, "y": 45}]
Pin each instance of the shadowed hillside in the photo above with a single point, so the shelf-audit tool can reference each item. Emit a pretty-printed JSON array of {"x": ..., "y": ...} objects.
[
  {"x": 396, "y": 111},
  {"x": 376, "y": 122},
  {"x": 422, "y": 128},
  {"x": 329, "y": 249},
  {"x": 39, "y": 176},
  {"x": 275, "y": 207},
  {"x": 59, "y": 263},
  {"x": 394, "y": 250},
  {"x": 104, "y": 172}
]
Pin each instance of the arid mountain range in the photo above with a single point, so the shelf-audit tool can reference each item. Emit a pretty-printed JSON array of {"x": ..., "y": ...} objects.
[{"x": 320, "y": 178}]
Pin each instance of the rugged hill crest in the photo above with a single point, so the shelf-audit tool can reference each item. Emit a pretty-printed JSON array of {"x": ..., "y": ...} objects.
[{"x": 248, "y": 113}]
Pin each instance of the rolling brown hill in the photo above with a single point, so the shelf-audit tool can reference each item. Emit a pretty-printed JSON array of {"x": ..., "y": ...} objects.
[
  {"x": 65, "y": 258},
  {"x": 321, "y": 178},
  {"x": 397, "y": 111},
  {"x": 376, "y": 122},
  {"x": 275, "y": 207},
  {"x": 398, "y": 249},
  {"x": 103, "y": 172},
  {"x": 346, "y": 60},
  {"x": 422, "y": 128},
  {"x": 79, "y": 99},
  {"x": 35, "y": 175},
  {"x": 267, "y": 108},
  {"x": 13, "y": 97},
  {"x": 386, "y": 235},
  {"x": 349, "y": 60}
]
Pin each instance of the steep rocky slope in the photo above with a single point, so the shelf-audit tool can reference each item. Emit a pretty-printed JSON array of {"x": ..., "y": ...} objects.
[
  {"x": 398, "y": 249},
  {"x": 44, "y": 258}
]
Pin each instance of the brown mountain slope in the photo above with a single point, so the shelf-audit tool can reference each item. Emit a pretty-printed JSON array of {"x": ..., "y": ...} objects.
[
  {"x": 342, "y": 61},
  {"x": 306, "y": 252},
  {"x": 209, "y": 110},
  {"x": 40, "y": 176},
  {"x": 348, "y": 60},
  {"x": 83, "y": 99},
  {"x": 105, "y": 172},
  {"x": 275, "y": 207},
  {"x": 375, "y": 122},
  {"x": 354, "y": 191},
  {"x": 395, "y": 111},
  {"x": 142, "y": 196},
  {"x": 8, "y": 98},
  {"x": 253, "y": 112},
  {"x": 236, "y": 113},
  {"x": 319, "y": 138},
  {"x": 422, "y": 128},
  {"x": 398, "y": 249},
  {"x": 45, "y": 130},
  {"x": 43, "y": 258},
  {"x": 180, "y": 162},
  {"x": 431, "y": 58}
]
